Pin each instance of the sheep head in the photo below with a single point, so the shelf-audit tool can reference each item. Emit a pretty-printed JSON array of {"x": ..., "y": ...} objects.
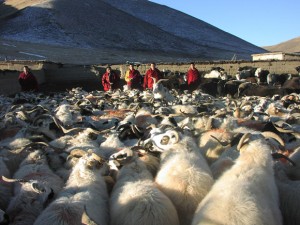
[
  {"x": 122, "y": 157},
  {"x": 33, "y": 197},
  {"x": 92, "y": 161}
]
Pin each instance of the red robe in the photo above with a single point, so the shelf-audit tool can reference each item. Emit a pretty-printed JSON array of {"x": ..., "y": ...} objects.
[
  {"x": 148, "y": 81},
  {"x": 28, "y": 82},
  {"x": 135, "y": 80},
  {"x": 193, "y": 78},
  {"x": 110, "y": 81}
]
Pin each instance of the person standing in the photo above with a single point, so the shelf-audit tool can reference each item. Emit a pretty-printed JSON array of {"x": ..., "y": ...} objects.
[
  {"x": 193, "y": 77},
  {"x": 133, "y": 78},
  {"x": 152, "y": 73},
  {"x": 27, "y": 80},
  {"x": 110, "y": 80}
]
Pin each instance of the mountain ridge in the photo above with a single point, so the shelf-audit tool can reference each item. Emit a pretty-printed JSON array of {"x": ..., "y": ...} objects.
[
  {"x": 290, "y": 46},
  {"x": 119, "y": 26}
]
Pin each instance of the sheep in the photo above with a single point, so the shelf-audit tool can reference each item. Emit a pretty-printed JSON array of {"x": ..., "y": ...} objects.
[
  {"x": 4, "y": 219},
  {"x": 289, "y": 195},
  {"x": 161, "y": 92},
  {"x": 135, "y": 199},
  {"x": 36, "y": 185},
  {"x": 85, "y": 188},
  {"x": 246, "y": 193},
  {"x": 25, "y": 206},
  {"x": 5, "y": 189},
  {"x": 184, "y": 175}
]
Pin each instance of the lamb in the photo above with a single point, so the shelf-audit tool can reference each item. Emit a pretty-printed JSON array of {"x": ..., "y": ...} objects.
[
  {"x": 135, "y": 199},
  {"x": 246, "y": 193},
  {"x": 184, "y": 175},
  {"x": 85, "y": 188}
]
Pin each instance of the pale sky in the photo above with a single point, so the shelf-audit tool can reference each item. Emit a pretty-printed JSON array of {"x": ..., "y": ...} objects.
[{"x": 260, "y": 22}]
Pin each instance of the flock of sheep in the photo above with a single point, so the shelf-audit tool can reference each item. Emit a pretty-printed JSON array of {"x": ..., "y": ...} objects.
[{"x": 132, "y": 158}]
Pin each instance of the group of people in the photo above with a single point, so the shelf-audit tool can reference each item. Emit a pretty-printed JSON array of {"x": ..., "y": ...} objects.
[
  {"x": 111, "y": 80},
  {"x": 134, "y": 80}
]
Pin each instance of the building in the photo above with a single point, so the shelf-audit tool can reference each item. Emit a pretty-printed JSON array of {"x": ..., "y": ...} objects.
[{"x": 275, "y": 56}]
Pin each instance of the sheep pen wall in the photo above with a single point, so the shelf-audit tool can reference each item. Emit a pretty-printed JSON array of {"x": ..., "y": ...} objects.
[{"x": 59, "y": 77}]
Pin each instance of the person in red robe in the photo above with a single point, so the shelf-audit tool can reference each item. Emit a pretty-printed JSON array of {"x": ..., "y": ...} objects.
[
  {"x": 110, "y": 80},
  {"x": 151, "y": 73},
  {"x": 27, "y": 80},
  {"x": 133, "y": 78},
  {"x": 193, "y": 77}
]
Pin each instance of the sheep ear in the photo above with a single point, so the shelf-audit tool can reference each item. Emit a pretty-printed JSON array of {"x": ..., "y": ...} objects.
[
  {"x": 37, "y": 187},
  {"x": 174, "y": 137}
]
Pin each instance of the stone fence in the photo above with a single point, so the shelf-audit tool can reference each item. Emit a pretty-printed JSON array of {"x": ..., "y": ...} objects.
[{"x": 58, "y": 77}]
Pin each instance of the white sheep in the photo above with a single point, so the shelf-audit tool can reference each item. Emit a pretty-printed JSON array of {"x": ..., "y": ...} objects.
[
  {"x": 289, "y": 196},
  {"x": 135, "y": 199},
  {"x": 246, "y": 193},
  {"x": 184, "y": 175},
  {"x": 36, "y": 185},
  {"x": 161, "y": 92},
  {"x": 85, "y": 188}
]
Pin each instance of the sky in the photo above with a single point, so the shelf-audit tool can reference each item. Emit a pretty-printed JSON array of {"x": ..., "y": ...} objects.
[{"x": 260, "y": 22}]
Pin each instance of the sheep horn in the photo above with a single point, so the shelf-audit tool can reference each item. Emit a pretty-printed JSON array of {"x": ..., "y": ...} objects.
[
  {"x": 243, "y": 140},
  {"x": 58, "y": 124},
  {"x": 277, "y": 155},
  {"x": 188, "y": 114},
  {"x": 97, "y": 158},
  {"x": 161, "y": 80},
  {"x": 11, "y": 180},
  {"x": 138, "y": 133},
  {"x": 209, "y": 124},
  {"x": 281, "y": 129},
  {"x": 125, "y": 125},
  {"x": 77, "y": 153},
  {"x": 85, "y": 219},
  {"x": 223, "y": 143},
  {"x": 235, "y": 103},
  {"x": 269, "y": 134}
]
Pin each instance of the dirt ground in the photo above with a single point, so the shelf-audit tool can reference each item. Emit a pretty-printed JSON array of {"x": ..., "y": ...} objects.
[{"x": 16, "y": 50}]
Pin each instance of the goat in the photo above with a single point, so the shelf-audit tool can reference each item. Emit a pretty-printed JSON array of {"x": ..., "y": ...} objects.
[
  {"x": 246, "y": 193},
  {"x": 135, "y": 199}
]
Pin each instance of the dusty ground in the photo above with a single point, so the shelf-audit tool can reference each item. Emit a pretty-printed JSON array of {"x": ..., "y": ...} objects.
[{"x": 15, "y": 50}]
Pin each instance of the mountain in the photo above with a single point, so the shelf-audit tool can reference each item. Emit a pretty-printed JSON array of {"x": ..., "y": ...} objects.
[
  {"x": 111, "y": 31},
  {"x": 289, "y": 46}
]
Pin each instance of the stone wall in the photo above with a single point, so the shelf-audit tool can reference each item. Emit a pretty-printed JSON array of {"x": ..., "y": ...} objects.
[
  {"x": 9, "y": 73},
  {"x": 59, "y": 77},
  {"x": 229, "y": 66}
]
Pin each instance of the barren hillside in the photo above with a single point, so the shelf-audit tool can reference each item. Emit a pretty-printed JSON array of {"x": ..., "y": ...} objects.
[
  {"x": 110, "y": 31},
  {"x": 290, "y": 46}
]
